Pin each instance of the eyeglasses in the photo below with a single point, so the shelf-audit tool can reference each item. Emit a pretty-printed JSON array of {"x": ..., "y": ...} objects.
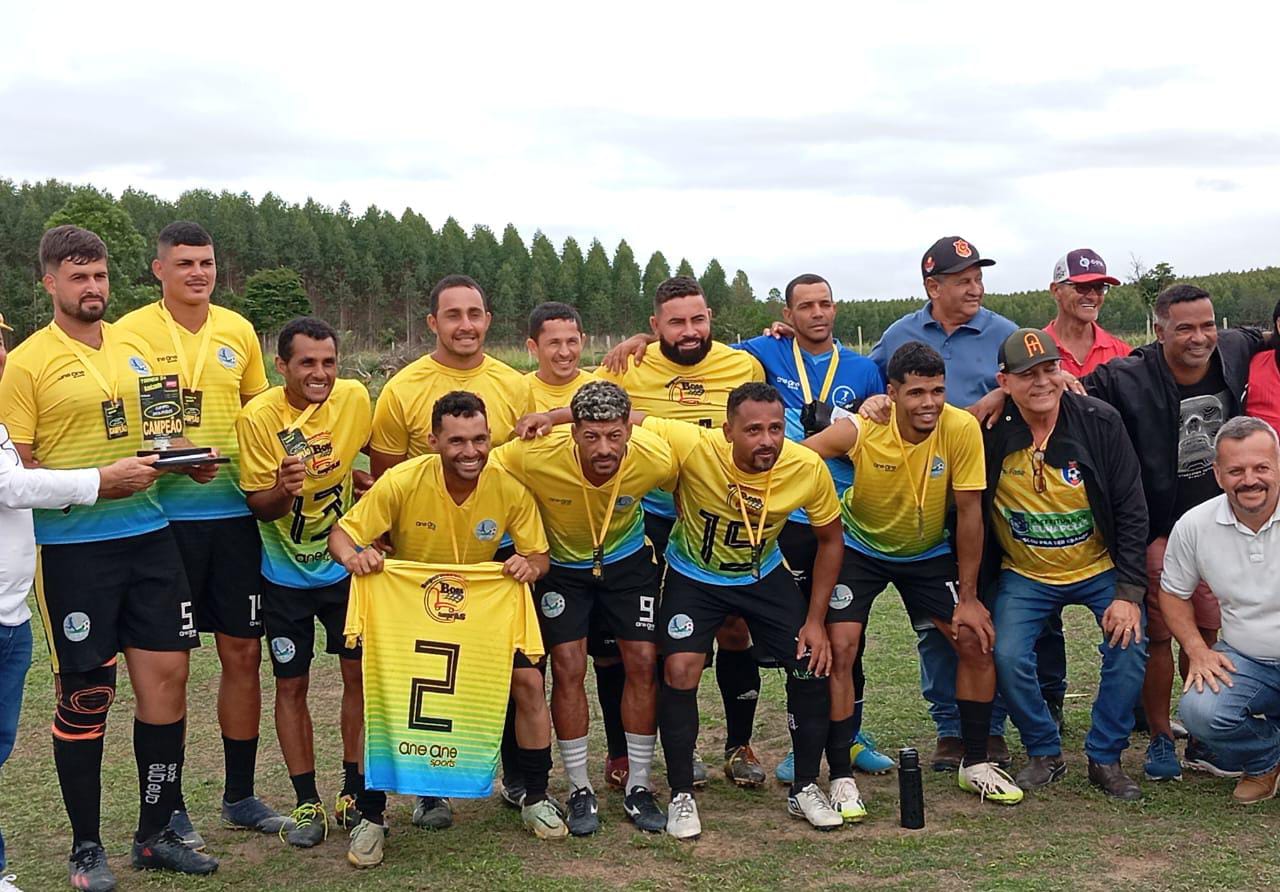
[
  {"x": 1037, "y": 471},
  {"x": 1089, "y": 287}
]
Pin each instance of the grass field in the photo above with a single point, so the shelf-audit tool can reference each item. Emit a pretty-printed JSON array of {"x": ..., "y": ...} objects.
[{"x": 1181, "y": 836}]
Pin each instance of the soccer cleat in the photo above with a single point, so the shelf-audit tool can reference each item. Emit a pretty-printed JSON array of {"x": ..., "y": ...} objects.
[
  {"x": 365, "y": 848},
  {"x": 434, "y": 813},
  {"x": 87, "y": 869},
  {"x": 512, "y": 793},
  {"x": 167, "y": 851},
  {"x": 643, "y": 811},
  {"x": 310, "y": 826},
  {"x": 866, "y": 758},
  {"x": 180, "y": 823},
  {"x": 584, "y": 812},
  {"x": 743, "y": 768},
  {"x": 616, "y": 771},
  {"x": 700, "y": 774},
  {"x": 251, "y": 813},
  {"x": 345, "y": 813},
  {"x": 847, "y": 801},
  {"x": 990, "y": 782},
  {"x": 1161, "y": 763},
  {"x": 1198, "y": 757},
  {"x": 544, "y": 821},
  {"x": 785, "y": 773},
  {"x": 682, "y": 817},
  {"x": 7, "y": 883},
  {"x": 813, "y": 805}
]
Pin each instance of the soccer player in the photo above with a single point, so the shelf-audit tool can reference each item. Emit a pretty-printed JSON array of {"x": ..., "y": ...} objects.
[
  {"x": 298, "y": 446},
  {"x": 453, "y": 506},
  {"x": 110, "y": 578},
  {"x": 688, "y": 378},
  {"x": 589, "y": 482},
  {"x": 216, "y": 356},
  {"x": 905, "y": 473}
]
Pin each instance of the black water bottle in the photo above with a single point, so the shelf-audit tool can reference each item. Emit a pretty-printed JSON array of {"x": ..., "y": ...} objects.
[{"x": 910, "y": 789}]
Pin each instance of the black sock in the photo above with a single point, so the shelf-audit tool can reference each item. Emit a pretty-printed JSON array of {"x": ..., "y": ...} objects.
[
  {"x": 975, "y": 722},
  {"x": 372, "y": 804},
  {"x": 678, "y": 725},
  {"x": 240, "y": 758},
  {"x": 510, "y": 749},
  {"x": 304, "y": 787},
  {"x": 839, "y": 740},
  {"x": 808, "y": 715},
  {"x": 859, "y": 684},
  {"x": 534, "y": 766},
  {"x": 610, "y": 681},
  {"x": 79, "y": 766},
  {"x": 738, "y": 676},
  {"x": 351, "y": 779},
  {"x": 158, "y": 752}
]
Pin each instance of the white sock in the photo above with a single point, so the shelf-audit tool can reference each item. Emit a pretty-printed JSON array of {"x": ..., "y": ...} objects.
[
  {"x": 639, "y": 758},
  {"x": 573, "y": 753}
]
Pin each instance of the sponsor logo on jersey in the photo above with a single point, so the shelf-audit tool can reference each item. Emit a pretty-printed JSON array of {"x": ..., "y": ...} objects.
[
  {"x": 445, "y": 597},
  {"x": 552, "y": 604},
  {"x": 686, "y": 391},
  {"x": 76, "y": 626},
  {"x": 680, "y": 626},
  {"x": 487, "y": 530},
  {"x": 321, "y": 460},
  {"x": 226, "y": 357},
  {"x": 754, "y": 503},
  {"x": 938, "y": 467},
  {"x": 1071, "y": 474},
  {"x": 841, "y": 597},
  {"x": 283, "y": 649},
  {"x": 139, "y": 365}
]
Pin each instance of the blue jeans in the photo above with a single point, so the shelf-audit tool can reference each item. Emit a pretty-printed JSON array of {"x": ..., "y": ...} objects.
[
  {"x": 1240, "y": 723},
  {"x": 1022, "y": 608},
  {"x": 15, "y": 659}
]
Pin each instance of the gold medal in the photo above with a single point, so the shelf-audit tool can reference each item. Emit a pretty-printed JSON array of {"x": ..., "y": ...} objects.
[
  {"x": 756, "y": 536},
  {"x": 597, "y": 539}
]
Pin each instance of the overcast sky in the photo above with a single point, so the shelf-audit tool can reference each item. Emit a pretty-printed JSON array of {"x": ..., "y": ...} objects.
[{"x": 780, "y": 138}]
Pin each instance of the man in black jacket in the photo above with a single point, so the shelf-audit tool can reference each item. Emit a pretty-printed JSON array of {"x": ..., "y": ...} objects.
[
  {"x": 1067, "y": 525},
  {"x": 1173, "y": 395}
]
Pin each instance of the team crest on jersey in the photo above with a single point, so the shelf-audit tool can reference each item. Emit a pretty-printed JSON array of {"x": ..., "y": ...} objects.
[
  {"x": 227, "y": 357},
  {"x": 552, "y": 604},
  {"x": 487, "y": 530},
  {"x": 283, "y": 650},
  {"x": 938, "y": 467},
  {"x": 139, "y": 365},
  {"x": 76, "y": 626},
  {"x": 681, "y": 626},
  {"x": 623, "y": 503},
  {"x": 843, "y": 396},
  {"x": 841, "y": 597},
  {"x": 686, "y": 391},
  {"x": 321, "y": 459},
  {"x": 445, "y": 597},
  {"x": 754, "y": 503},
  {"x": 1071, "y": 474}
]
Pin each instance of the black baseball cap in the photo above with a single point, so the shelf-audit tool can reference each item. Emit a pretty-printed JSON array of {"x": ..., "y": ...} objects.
[
  {"x": 1026, "y": 348},
  {"x": 950, "y": 254}
]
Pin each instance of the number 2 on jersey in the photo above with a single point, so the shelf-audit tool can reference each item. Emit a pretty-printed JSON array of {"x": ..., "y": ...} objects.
[{"x": 420, "y": 687}]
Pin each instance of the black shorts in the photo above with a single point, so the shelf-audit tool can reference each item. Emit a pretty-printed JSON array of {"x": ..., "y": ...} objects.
[
  {"x": 657, "y": 530},
  {"x": 97, "y": 598},
  {"x": 289, "y": 615},
  {"x": 692, "y": 612},
  {"x": 223, "y": 559},
  {"x": 624, "y": 602},
  {"x": 799, "y": 548},
  {"x": 928, "y": 587}
]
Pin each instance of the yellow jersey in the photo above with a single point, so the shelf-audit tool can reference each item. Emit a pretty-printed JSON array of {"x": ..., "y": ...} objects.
[
  {"x": 1047, "y": 536},
  {"x": 220, "y": 368},
  {"x": 696, "y": 393},
  {"x": 402, "y": 418},
  {"x": 728, "y": 521},
  {"x": 544, "y": 397},
  {"x": 896, "y": 509},
  {"x": 438, "y": 642},
  {"x": 295, "y": 549},
  {"x": 571, "y": 506},
  {"x": 78, "y": 407},
  {"x": 410, "y": 501}
]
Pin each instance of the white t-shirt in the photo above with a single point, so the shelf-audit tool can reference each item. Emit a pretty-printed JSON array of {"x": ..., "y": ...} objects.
[
  {"x": 1241, "y": 567},
  {"x": 22, "y": 489}
]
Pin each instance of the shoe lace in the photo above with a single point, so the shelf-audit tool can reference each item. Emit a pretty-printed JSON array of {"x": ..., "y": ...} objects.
[
  {"x": 89, "y": 858},
  {"x": 989, "y": 779},
  {"x": 580, "y": 803},
  {"x": 844, "y": 789},
  {"x": 814, "y": 796},
  {"x": 866, "y": 740},
  {"x": 304, "y": 816},
  {"x": 684, "y": 806}
]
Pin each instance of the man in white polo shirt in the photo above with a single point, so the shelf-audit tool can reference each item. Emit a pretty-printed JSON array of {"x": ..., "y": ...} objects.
[{"x": 1231, "y": 699}]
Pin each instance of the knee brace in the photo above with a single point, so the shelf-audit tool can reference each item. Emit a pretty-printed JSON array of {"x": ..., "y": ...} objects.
[{"x": 83, "y": 701}]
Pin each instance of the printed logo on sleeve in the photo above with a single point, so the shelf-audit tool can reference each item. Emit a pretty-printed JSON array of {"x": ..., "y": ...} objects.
[{"x": 226, "y": 357}]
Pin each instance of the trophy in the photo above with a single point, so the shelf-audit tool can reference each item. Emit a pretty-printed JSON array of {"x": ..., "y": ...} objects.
[{"x": 161, "y": 401}]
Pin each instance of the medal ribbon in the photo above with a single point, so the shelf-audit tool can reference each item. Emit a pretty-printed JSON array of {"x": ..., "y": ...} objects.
[
  {"x": 756, "y": 536},
  {"x": 304, "y": 416},
  {"x": 192, "y": 378},
  {"x": 110, "y": 388},
  {"x": 804, "y": 375},
  {"x": 597, "y": 541},
  {"x": 922, "y": 491}
]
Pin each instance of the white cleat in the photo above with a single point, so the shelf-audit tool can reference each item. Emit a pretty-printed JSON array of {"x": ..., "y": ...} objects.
[
  {"x": 813, "y": 805},
  {"x": 682, "y": 817},
  {"x": 990, "y": 783},
  {"x": 847, "y": 801}
]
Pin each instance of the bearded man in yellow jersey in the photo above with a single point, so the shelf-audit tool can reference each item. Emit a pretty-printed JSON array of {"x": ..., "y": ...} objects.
[
  {"x": 905, "y": 473},
  {"x": 298, "y": 446},
  {"x": 1069, "y": 526},
  {"x": 589, "y": 481},
  {"x": 110, "y": 578},
  {"x": 688, "y": 378},
  {"x": 454, "y": 506},
  {"x": 216, "y": 355}
]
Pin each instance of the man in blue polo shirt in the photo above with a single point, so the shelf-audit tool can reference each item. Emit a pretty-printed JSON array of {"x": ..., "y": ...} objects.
[{"x": 814, "y": 373}]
